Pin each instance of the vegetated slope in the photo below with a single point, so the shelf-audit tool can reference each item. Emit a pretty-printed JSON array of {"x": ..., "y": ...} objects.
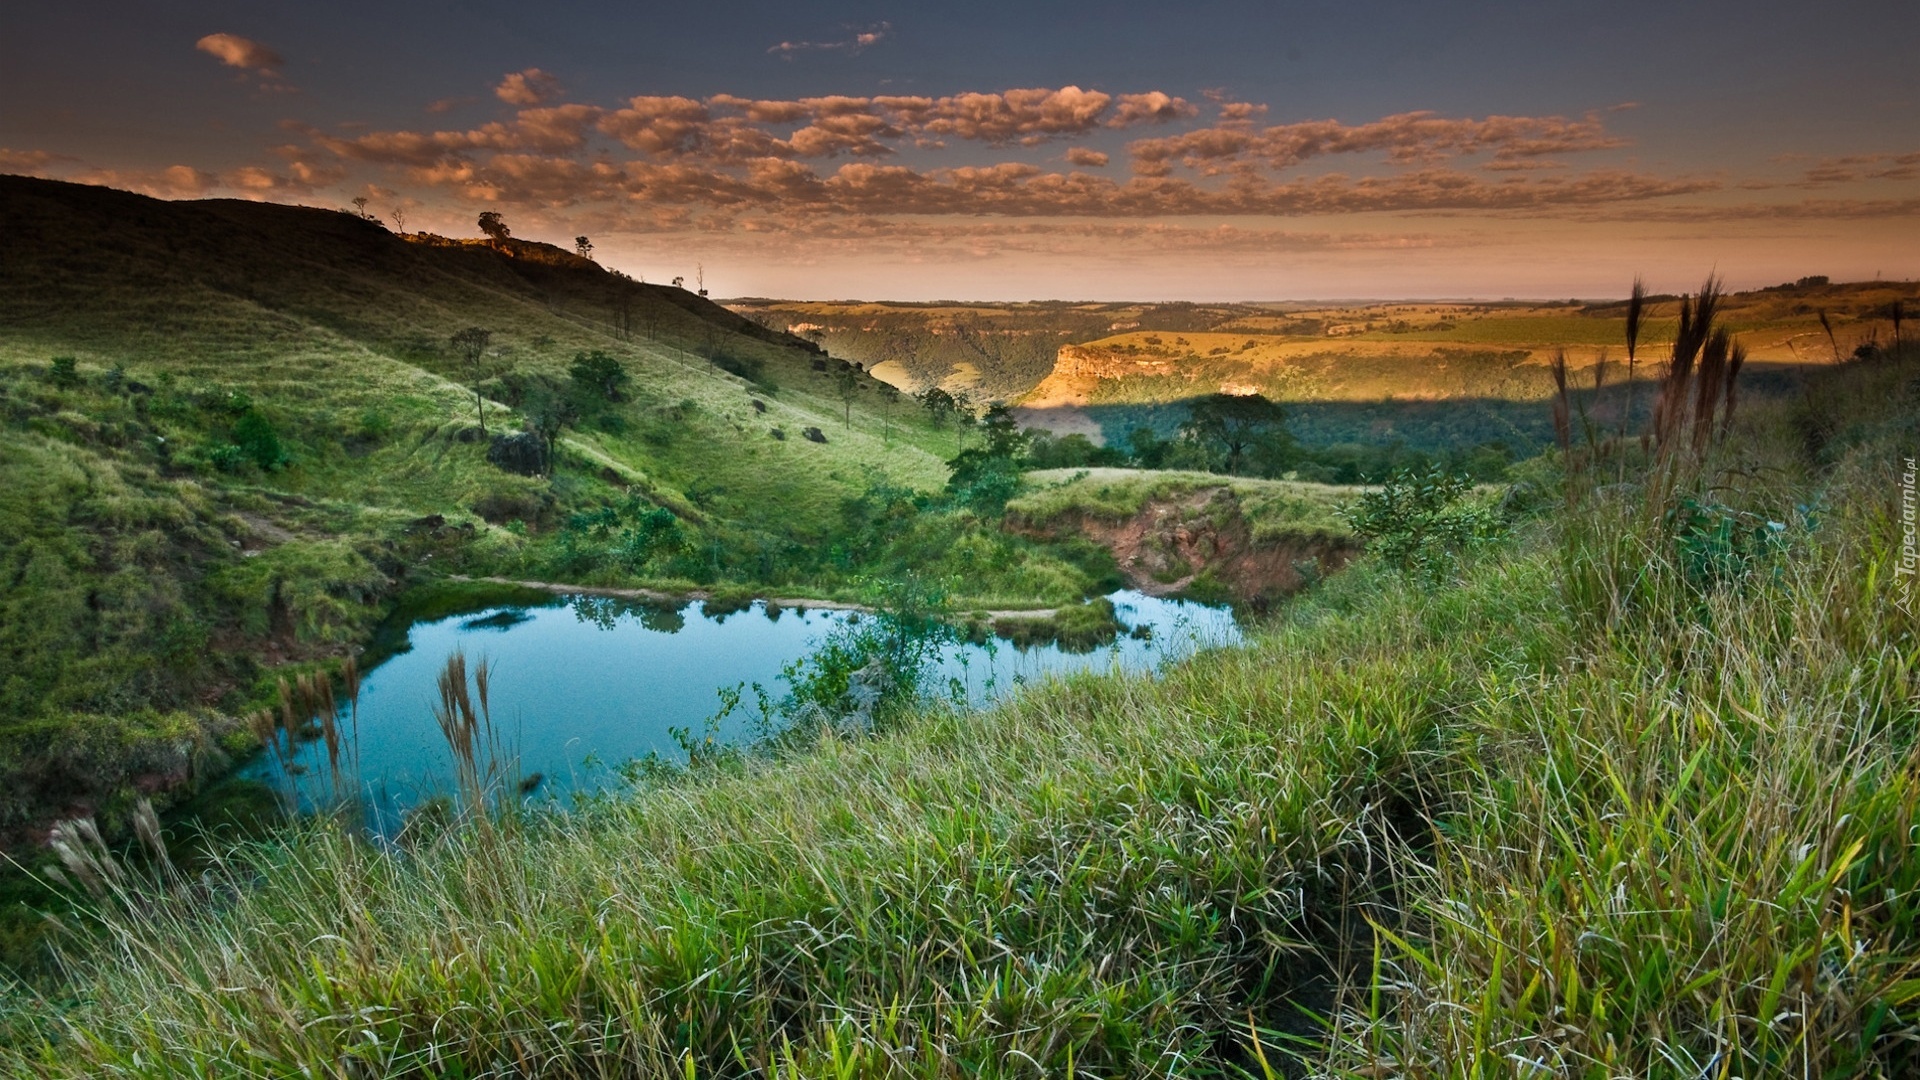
[
  {"x": 260, "y": 433},
  {"x": 1630, "y": 793},
  {"x": 334, "y": 311}
]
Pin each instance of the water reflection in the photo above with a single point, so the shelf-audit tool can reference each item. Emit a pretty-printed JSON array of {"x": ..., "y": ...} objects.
[{"x": 590, "y": 681}]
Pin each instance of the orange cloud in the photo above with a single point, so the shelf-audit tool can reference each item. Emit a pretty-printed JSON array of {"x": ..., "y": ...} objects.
[
  {"x": 1080, "y": 155},
  {"x": 1154, "y": 108},
  {"x": 1857, "y": 167},
  {"x": 27, "y": 162},
  {"x": 1406, "y": 138},
  {"x": 173, "y": 182},
  {"x": 236, "y": 51},
  {"x": 552, "y": 130},
  {"x": 529, "y": 87},
  {"x": 660, "y": 125},
  {"x": 1019, "y": 189}
]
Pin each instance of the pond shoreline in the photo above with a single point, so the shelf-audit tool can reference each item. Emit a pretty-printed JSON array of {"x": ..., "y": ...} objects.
[
  {"x": 636, "y": 593},
  {"x": 618, "y": 676}
]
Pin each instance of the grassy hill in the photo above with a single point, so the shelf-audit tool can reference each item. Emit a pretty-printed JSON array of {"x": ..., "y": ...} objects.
[
  {"x": 232, "y": 433},
  {"x": 1629, "y": 791}
]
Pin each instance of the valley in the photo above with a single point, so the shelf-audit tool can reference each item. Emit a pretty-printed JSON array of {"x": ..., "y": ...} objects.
[{"x": 440, "y": 638}]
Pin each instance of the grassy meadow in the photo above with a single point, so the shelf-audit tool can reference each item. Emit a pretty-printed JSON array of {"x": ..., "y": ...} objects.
[{"x": 1626, "y": 789}]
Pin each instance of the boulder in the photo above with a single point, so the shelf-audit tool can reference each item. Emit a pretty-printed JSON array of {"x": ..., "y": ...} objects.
[{"x": 522, "y": 452}]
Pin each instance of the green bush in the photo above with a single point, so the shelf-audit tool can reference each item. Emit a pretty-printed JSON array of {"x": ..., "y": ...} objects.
[
  {"x": 257, "y": 440},
  {"x": 1421, "y": 523},
  {"x": 1717, "y": 545},
  {"x": 595, "y": 374},
  {"x": 870, "y": 668}
]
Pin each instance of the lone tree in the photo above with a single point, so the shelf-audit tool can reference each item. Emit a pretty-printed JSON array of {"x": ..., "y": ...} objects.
[
  {"x": 846, "y": 380},
  {"x": 939, "y": 404},
  {"x": 599, "y": 374},
  {"x": 1236, "y": 423},
  {"x": 987, "y": 476},
  {"x": 547, "y": 411},
  {"x": 493, "y": 226},
  {"x": 472, "y": 344},
  {"x": 584, "y": 246}
]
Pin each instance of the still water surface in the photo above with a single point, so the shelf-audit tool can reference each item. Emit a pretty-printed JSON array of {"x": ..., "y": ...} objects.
[{"x": 586, "y": 682}]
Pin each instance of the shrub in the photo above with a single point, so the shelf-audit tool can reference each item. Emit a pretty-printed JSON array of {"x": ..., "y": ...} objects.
[
  {"x": 223, "y": 456},
  {"x": 523, "y": 452},
  {"x": 64, "y": 372},
  {"x": 598, "y": 375},
  {"x": 1421, "y": 522},
  {"x": 1717, "y": 545},
  {"x": 257, "y": 440},
  {"x": 375, "y": 425},
  {"x": 654, "y": 534},
  {"x": 750, "y": 368},
  {"x": 868, "y": 669}
]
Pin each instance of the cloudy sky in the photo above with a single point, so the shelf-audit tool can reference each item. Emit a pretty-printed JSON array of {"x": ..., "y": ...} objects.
[{"x": 1194, "y": 150}]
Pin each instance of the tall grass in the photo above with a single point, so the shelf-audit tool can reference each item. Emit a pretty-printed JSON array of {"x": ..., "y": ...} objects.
[{"x": 1418, "y": 827}]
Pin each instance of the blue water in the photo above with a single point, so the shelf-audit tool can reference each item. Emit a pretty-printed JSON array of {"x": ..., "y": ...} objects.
[{"x": 588, "y": 683}]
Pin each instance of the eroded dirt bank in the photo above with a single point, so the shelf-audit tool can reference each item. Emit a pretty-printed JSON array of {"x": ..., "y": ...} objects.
[{"x": 1201, "y": 544}]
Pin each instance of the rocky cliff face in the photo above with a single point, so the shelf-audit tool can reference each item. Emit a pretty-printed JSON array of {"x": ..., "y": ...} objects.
[{"x": 1080, "y": 362}]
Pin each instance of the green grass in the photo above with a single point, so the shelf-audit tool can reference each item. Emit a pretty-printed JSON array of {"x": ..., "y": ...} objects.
[
  {"x": 1274, "y": 509},
  {"x": 152, "y": 571},
  {"x": 1572, "y": 809}
]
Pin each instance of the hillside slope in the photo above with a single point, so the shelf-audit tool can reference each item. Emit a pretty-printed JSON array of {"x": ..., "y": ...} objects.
[
  {"x": 231, "y": 432},
  {"x": 318, "y": 310}
]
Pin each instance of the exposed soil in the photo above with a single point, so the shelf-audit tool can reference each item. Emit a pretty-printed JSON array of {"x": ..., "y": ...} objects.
[{"x": 1173, "y": 545}]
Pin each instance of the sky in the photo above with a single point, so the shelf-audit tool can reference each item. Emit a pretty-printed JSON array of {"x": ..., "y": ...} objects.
[{"x": 1009, "y": 151}]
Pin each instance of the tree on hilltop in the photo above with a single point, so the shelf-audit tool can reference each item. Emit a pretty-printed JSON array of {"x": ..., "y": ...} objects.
[{"x": 492, "y": 224}]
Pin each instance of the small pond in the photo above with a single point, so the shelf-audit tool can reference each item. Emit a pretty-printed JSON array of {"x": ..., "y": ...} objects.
[{"x": 584, "y": 683}]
